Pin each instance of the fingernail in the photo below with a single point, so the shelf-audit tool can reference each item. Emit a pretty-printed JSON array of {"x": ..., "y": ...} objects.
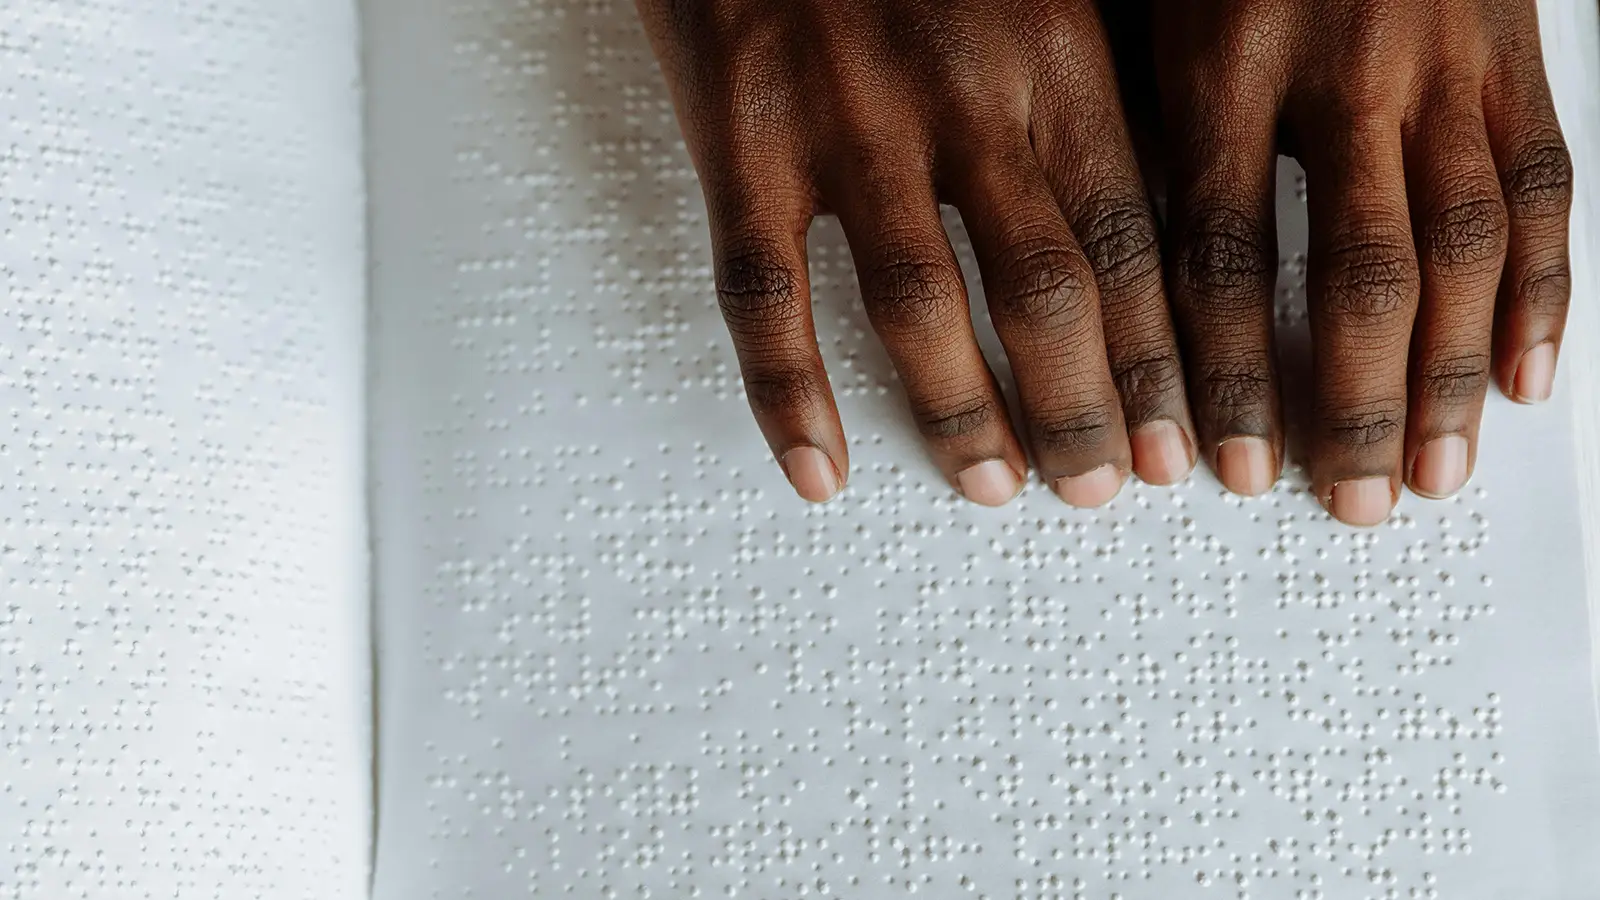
[
  {"x": 1245, "y": 465},
  {"x": 1362, "y": 501},
  {"x": 1441, "y": 467},
  {"x": 991, "y": 483},
  {"x": 1095, "y": 487},
  {"x": 812, "y": 473},
  {"x": 1536, "y": 374},
  {"x": 1161, "y": 453}
]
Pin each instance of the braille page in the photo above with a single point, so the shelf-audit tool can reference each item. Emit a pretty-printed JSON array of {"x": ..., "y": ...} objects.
[
  {"x": 182, "y": 550},
  {"x": 618, "y": 658}
]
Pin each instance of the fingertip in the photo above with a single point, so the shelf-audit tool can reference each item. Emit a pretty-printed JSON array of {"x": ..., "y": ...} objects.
[
  {"x": 1442, "y": 467},
  {"x": 1247, "y": 466},
  {"x": 813, "y": 474},
  {"x": 992, "y": 482},
  {"x": 1096, "y": 487},
  {"x": 1362, "y": 502},
  {"x": 1163, "y": 452},
  {"x": 1535, "y": 375}
]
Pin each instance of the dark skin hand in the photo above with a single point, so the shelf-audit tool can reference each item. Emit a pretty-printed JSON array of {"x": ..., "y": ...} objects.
[
  {"x": 1438, "y": 194},
  {"x": 1438, "y": 191},
  {"x": 878, "y": 111}
]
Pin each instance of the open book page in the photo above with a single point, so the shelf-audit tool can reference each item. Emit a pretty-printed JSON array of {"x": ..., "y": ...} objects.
[
  {"x": 1571, "y": 33},
  {"x": 617, "y": 658},
  {"x": 182, "y": 550}
]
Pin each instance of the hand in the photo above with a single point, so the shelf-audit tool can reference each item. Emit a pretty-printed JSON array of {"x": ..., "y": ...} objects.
[
  {"x": 877, "y": 110},
  {"x": 1438, "y": 191}
]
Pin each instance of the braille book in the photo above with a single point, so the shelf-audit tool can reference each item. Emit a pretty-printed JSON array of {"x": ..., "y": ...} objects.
[{"x": 381, "y": 516}]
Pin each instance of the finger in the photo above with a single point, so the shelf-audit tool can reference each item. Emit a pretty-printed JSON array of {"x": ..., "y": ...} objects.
[
  {"x": 1088, "y": 161},
  {"x": 1222, "y": 267},
  {"x": 1459, "y": 220},
  {"x": 1536, "y": 178},
  {"x": 917, "y": 303},
  {"x": 1045, "y": 309},
  {"x": 1363, "y": 283},
  {"x": 758, "y": 246}
]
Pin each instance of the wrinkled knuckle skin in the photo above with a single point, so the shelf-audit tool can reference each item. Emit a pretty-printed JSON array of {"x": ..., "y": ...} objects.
[
  {"x": 1546, "y": 291},
  {"x": 906, "y": 288},
  {"x": 1539, "y": 180},
  {"x": 1147, "y": 385},
  {"x": 1371, "y": 280},
  {"x": 955, "y": 419},
  {"x": 1077, "y": 433},
  {"x": 780, "y": 392},
  {"x": 1467, "y": 234},
  {"x": 1119, "y": 239},
  {"x": 1365, "y": 428},
  {"x": 1041, "y": 284},
  {"x": 1223, "y": 259},
  {"x": 1240, "y": 400},
  {"x": 1454, "y": 382},
  {"x": 755, "y": 286}
]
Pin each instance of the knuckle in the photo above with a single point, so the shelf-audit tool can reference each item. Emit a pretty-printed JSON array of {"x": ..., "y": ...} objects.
[
  {"x": 1546, "y": 290},
  {"x": 909, "y": 286},
  {"x": 1074, "y": 432},
  {"x": 1223, "y": 257},
  {"x": 1040, "y": 282},
  {"x": 956, "y": 417},
  {"x": 755, "y": 285},
  {"x": 1147, "y": 380},
  {"x": 1237, "y": 390},
  {"x": 779, "y": 391},
  {"x": 1119, "y": 240},
  {"x": 1370, "y": 278},
  {"x": 1467, "y": 232},
  {"x": 1369, "y": 426},
  {"x": 1455, "y": 380},
  {"x": 1539, "y": 180}
]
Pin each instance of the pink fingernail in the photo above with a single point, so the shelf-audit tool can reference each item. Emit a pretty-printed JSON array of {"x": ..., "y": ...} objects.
[
  {"x": 1095, "y": 487},
  {"x": 1161, "y": 453},
  {"x": 991, "y": 483},
  {"x": 1536, "y": 374},
  {"x": 1363, "y": 502},
  {"x": 1245, "y": 465},
  {"x": 1441, "y": 467},
  {"x": 812, "y": 473}
]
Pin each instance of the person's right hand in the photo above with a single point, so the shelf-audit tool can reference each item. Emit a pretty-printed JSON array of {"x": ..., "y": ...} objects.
[
  {"x": 1438, "y": 187},
  {"x": 876, "y": 110}
]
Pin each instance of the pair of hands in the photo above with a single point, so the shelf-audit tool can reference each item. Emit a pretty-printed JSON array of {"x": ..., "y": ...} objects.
[{"x": 1438, "y": 193}]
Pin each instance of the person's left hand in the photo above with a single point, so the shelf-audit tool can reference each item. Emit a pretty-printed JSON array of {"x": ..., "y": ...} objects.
[{"x": 878, "y": 110}]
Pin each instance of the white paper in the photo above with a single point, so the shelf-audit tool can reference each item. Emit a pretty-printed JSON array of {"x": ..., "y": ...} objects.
[
  {"x": 619, "y": 659},
  {"x": 1571, "y": 33},
  {"x": 182, "y": 555}
]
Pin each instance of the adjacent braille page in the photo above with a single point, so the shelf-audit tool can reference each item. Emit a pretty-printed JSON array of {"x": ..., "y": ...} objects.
[
  {"x": 619, "y": 659},
  {"x": 182, "y": 553}
]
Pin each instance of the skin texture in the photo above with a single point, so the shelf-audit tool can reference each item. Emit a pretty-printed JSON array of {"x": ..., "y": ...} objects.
[
  {"x": 877, "y": 111},
  {"x": 1438, "y": 191}
]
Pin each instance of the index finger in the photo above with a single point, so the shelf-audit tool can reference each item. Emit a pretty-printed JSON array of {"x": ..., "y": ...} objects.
[{"x": 758, "y": 247}]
